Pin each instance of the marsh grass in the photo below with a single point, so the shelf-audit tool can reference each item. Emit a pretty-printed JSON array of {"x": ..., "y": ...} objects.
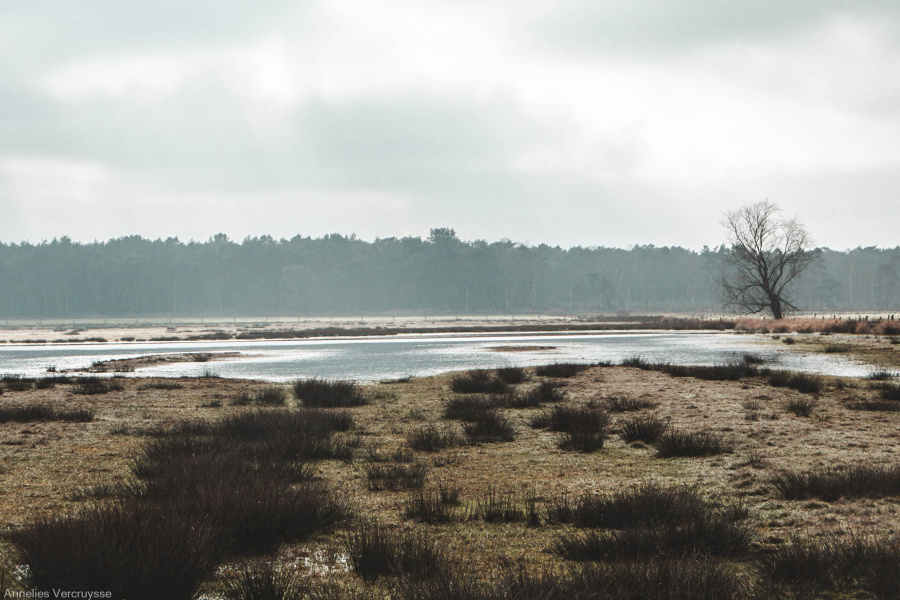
[
  {"x": 431, "y": 438},
  {"x": 649, "y": 520},
  {"x": 269, "y": 396},
  {"x": 431, "y": 506},
  {"x": 802, "y": 407},
  {"x": 582, "y": 428},
  {"x": 490, "y": 427},
  {"x": 479, "y": 381},
  {"x": 546, "y": 392},
  {"x": 396, "y": 476},
  {"x": 96, "y": 385},
  {"x": 881, "y": 375},
  {"x": 265, "y": 581},
  {"x": 888, "y": 391},
  {"x": 855, "y": 481},
  {"x": 321, "y": 393},
  {"x": 658, "y": 578},
  {"x": 676, "y": 442},
  {"x": 811, "y": 566},
  {"x": 42, "y": 411},
  {"x": 511, "y": 375},
  {"x": 470, "y": 407},
  {"x": 642, "y": 429},
  {"x": 625, "y": 403},
  {"x": 806, "y": 383},
  {"x": 375, "y": 551},
  {"x": 876, "y": 405},
  {"x": 142, "y": 551},
  {"x": 712, "y": 537},
  {"x": 561, "y": 370}
]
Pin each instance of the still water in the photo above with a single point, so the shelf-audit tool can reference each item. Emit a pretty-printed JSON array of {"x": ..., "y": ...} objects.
[{"x": 377, "y": 358}]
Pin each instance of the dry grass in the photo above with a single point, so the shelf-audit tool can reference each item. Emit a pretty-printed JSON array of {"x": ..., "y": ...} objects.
[{"x": 48, "y": 465}]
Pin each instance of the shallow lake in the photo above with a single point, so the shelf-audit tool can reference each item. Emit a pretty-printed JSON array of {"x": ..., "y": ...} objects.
[{"x": 389, "y": 357}]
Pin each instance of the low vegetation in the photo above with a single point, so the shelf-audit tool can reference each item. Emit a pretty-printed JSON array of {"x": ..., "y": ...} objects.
[
  {"x": 42, "y": 411},
  {"x": 642, "y": 429},
  {"x": 855, "y": 481},
  {"x": 480, "y": 381},
  {"x": 677, "y": 442},
  {"x": 561, "y": 370},
  {"x": 260, "y": 499},
  {"x": 321, "y": 393}
]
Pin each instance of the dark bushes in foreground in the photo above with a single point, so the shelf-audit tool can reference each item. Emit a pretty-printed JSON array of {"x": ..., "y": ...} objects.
[
  {"x": 265, "y": 581},
  {"x": 856, "y": 481},
  {"x": 511, "y": 375},
  {"x": 889, "y": 391},
  {"x": 642, "y": 429},
  {"x": 813, "y": 566},
  {"x": 139, "y": 551},
  {"x": 676, "y": 442},
  {"x": 431, "y": 438},
  {"x": 321, "y": 393},
  {"x": 479, "y": 381},
  {"x": 269, "y": 396},
  {"x": 807, "y": 383},
  {"x": 469, "y": 408},
  {"x": 802, "y": 407},
  {"x": 628, "y": 403},
  {"x": 375, "y": 551},
  {"x": 40, "y": 411},
  {"x": 396, "y": 476},
  {"x": 582, "y": 428},
  {"x": 430, "y": 506},
  {"x": 490, "y": 426},
  {"x": 713, "y": 537},
  {"x": 545, "y": 392},
  {"x": 647, "y": 505},
  {"x": 647, "y": 521},
  {"x": 562, "y": 370},
  {"x": 95, "y": 385},
  {"x": 660, "y": 578}
]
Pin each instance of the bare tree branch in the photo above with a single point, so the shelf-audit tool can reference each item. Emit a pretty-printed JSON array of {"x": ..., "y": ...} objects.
[{"x": 767, "y": 255}]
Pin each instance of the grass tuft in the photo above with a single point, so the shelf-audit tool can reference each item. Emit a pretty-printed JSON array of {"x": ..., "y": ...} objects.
[
  {"x": 642, "y": 429},
  {"x": 431, "y": 438},
  {"x": 396, "y": 476},
  {"x": 479, "y": 381},
  {"x": 321, "y": 393},
  {"x": 561, "y": 370},
  {"x": 856, "y": 481},
  {"x": 41, "y": 411},
  {"x": 675, "y": 442},
  {"x": 375, "y": 551},
  {"x": 489, "y": 427},
  {"x": 627, "y": 403},
  {"x": 511, "y": 375},
  {"x": 802, "y": 407}
]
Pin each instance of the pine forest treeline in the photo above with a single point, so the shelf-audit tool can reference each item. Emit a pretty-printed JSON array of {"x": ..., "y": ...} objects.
[{"x": 336, "y": 274}]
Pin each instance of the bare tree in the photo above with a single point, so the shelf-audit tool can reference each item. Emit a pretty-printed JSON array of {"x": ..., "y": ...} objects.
[{"x": 767, "y": 254}]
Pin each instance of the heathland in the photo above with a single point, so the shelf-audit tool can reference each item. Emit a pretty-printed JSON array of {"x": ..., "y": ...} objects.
[{"x": 631, "y": 480}]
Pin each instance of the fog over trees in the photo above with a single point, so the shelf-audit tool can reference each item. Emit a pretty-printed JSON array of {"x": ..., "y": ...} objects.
[{"x": 342, "y": 275}]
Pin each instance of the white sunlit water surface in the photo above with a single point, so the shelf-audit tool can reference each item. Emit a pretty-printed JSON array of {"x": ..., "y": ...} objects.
[{"x": 390, "y": 357}]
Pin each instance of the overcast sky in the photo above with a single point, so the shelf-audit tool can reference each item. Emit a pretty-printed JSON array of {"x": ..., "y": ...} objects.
[{"x": 593, "y": 122}]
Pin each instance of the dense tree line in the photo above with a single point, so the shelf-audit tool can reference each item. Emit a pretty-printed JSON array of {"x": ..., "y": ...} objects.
[{"x": 339, "y": 274}]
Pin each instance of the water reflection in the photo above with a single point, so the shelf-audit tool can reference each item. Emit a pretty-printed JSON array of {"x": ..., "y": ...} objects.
[{"x": 372, "y": 359}]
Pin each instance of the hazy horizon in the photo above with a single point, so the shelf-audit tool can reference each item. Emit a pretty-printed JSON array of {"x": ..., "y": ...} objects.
[
  {"x": 352, "y": 235},
  {"x": 580, "y": 124}
]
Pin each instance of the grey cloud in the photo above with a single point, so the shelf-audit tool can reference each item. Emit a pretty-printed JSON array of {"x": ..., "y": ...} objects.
[
  {"x": 201, "y": 138},
  {"x": 650, "y": 27},
  {"x": 45, "y": 32}
]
